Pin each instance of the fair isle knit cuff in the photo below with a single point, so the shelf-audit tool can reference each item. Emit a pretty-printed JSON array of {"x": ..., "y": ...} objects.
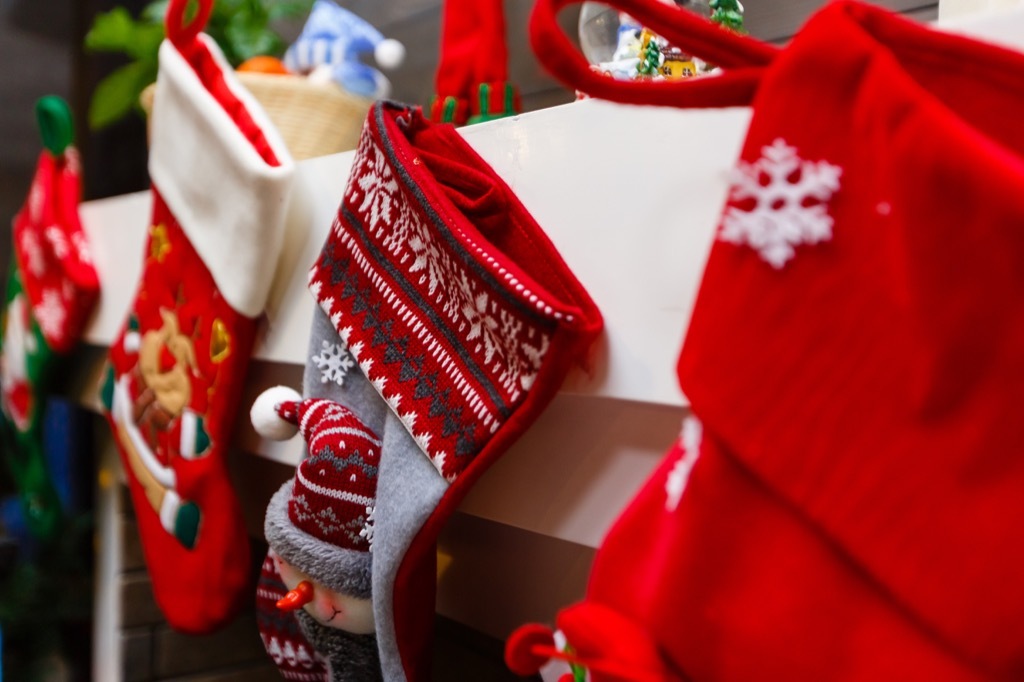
[{"x": 447, "y": 292}]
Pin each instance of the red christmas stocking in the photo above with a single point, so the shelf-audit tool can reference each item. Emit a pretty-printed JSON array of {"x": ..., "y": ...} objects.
[
  {"x": 463, "y": 320},
  {"x": 843, "y": 509},
  {"x": 221, "y": 178},
  {"x": 472, "y": 75},
  {"x": 51, "y": 290}
]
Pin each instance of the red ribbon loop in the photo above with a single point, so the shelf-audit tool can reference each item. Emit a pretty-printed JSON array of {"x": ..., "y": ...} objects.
[{"x": 180, "y": 33}]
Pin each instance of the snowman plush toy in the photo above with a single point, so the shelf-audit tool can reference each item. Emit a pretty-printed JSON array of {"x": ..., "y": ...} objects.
[{"x": 313, "y": 601}]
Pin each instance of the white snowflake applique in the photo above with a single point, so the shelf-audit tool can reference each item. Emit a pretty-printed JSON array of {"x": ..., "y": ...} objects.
[
  {"x": 35, "y": 202},
  {"x": 334, "y": 362},
  {"x": 81, "y": 248},
  {"x": 33, "y": 253},
  {"x": 675, "y": 483},
  {"x": 789, "y": 203},
  {"x": 58, "y": 241},
  {"x": 51, "y": 313},
  {"x": 367, "y": 531}
]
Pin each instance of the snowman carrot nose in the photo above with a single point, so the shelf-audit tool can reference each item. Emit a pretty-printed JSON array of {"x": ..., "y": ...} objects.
[{"x": 297, "y": 598}]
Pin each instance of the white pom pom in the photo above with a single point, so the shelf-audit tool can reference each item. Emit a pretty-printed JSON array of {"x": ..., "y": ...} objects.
[
  {"x": 265, "y": 419},
  {"x": 389, "y": 53}
]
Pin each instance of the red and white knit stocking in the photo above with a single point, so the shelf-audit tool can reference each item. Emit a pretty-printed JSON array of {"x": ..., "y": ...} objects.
[{"x": 447, "y": 321}]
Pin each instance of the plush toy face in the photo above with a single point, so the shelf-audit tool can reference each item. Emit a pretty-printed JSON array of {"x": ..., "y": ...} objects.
[{"x": 330, "y": 608}]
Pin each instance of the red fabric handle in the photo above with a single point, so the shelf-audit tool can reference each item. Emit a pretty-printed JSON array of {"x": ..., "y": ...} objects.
[
  {"x": 473, "y": 47},
  {"x": 742, "y": 58},
  {"x": 180, "y": 33}
]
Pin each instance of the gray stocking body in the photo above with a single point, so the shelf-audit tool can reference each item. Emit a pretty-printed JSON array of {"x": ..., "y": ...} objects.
[{"x": 409, "y": 488}]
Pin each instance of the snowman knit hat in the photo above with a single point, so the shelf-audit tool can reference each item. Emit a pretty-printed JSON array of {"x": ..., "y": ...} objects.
[{"x": 321, "y": 521}]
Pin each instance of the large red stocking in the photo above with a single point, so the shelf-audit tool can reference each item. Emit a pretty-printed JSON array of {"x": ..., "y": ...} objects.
[{"x": 845, "y": 506}]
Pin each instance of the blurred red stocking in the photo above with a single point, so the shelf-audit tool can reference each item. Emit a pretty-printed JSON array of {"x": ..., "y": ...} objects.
[{"x": 472, "y": 76}]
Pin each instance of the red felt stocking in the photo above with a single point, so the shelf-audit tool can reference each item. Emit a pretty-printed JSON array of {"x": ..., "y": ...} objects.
[
  {"x": 220, "y": 185},
  {"x": 51, "y": 290},
  {"x": 472, "y": 75},
  {"x": 847, "y": 507}
]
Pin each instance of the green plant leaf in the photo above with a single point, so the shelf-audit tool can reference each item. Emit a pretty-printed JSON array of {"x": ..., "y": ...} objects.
[
  {"x": 155, "y": 12},
  {"x": 118, "y": 93},
  {"x": 248, "y": 37},
  {"x": 114, "y": 31},
  {"x": 147, "y": 42},
  {"x": 288, "y": 9}
]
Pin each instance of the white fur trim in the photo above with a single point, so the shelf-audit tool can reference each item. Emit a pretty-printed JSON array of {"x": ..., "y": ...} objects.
[
  {"x": 230, "y": 203},
  {"x": 169, "y": 510}
]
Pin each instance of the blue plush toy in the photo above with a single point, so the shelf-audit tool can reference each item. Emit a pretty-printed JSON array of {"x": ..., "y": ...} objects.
[{"x": 332, "y": 40}]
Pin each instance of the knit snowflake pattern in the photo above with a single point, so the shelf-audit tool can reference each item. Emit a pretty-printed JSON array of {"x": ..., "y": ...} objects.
[
  {"x": 57, "y": 240},
  {"x": 81, "y": 247},
  {"x": 489, "y": 328},
  {"x": 51, "y": 313},
  {"x": 780, "y": 202},
  {"x": 334, "y": 362},
  {"x": 367, "y": 532},
  {"x": 36, "y": 198},
  {"x": 378, "y": 186},
  {"x": 33, "y": 253},
  {"x": 689, "y": 441}
]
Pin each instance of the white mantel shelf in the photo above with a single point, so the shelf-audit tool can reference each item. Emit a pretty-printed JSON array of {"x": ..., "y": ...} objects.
[{"x": 634, "y": 225}]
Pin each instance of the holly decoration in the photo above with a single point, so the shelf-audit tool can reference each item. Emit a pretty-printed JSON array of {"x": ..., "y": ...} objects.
[
  {"x": 728, "y": 14},
  {"x": 579, "y": 672}
]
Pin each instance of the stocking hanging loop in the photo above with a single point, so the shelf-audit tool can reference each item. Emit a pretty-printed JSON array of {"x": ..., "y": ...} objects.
[
  {"x": 178, "y": 31},
  {"x": 742, "y": 58}
]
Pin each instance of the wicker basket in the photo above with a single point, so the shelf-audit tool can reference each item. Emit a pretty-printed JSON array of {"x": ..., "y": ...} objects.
[{"x": 314, "y": 119}]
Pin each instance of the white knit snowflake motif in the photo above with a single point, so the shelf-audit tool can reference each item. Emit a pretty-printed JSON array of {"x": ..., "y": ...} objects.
[
  {"x": 334, "y": 362},
  {"x": 35, "y": 202},
  {"x": 789, "y": 198},
  {"x": 675, "y": 483},
  {"x": 377, "y": 185},
  {"x": 81, "y": 247},
  {"x": 57, "y": 240},
  {"x": 367, "y": 532},
  {"x": 33, "y": 253},
  {"x": 51, "y": 313}
]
